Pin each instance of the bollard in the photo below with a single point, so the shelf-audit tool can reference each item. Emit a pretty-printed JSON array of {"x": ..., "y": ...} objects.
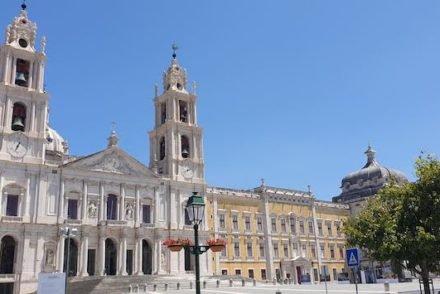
[
  {"x": 166, "y": 286},
  {"x": 243, "y": 282},
  {"x": 274, "y": 281},
  {"x": 190, "y": 285},
  {"x": 278, "y": 291},
  {"x": 254, "y": 282},
  {"x": 178, "y": 286},
  {"x": 130, "y": 289},
  {"x": 204, "y": 284},
  {"x": 218, "y": 283},
  {"x": 145, "y": 287},
  {"x": 387, "y": 286},
  {"x": 154, "y": 288},
  {"x": 136, "y": 288},
  {"x": 230, "y": 282}
]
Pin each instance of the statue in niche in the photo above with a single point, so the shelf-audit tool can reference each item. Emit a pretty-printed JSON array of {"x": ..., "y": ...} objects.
[
  {"x": 92, "y": 209},
  {"x": 129, "y": 211},
  {"x": 50, "y": 254}
]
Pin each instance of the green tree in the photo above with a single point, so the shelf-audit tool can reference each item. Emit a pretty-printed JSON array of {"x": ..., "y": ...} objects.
[{"x": 402, "y": 223}]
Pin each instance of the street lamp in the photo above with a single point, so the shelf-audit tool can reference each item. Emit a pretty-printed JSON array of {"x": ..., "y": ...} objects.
[
  {"x": 195, "y": 208},
  {"x": 68, "y": 233}
]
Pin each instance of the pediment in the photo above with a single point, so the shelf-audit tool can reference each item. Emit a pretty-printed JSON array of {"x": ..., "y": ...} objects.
[{"x": 112, "y": 160}]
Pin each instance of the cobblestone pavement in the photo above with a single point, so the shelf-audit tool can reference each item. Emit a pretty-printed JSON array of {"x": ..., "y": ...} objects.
[{"x": 332, "y": 288}]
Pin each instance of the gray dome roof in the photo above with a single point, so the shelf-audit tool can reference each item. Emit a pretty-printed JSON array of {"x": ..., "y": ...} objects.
[
  {"x": 368, "y": 180},
  {"x": 55, "y": 142}
]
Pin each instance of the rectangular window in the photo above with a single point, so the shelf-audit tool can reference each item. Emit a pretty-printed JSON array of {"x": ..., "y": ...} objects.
[
  {"x": 262, "y": 251},
  {"x": 72, "y": 209},
  {"x": 320, "y": 228},
  {"x": 222, "y": 221},
  {"x": 295, "y": 249},
  {"x": 247, "y": 222},
  {"x": 332, "y": 251},
  {"x": 163, "y": 113},
  {"x": 235, "y": 222},
  {"x": 259, "y": 223},
  {"x": 274, "y": 224},
  {"x": 12, "y": 205},
  {"x": 304, "y": 250},
  {"x": 224, "y": 272},
  {"x": 286, "y": 250},
  {"x": 276, "y": 252},
  {"x": 301, "y": 227},
  {"x": 335, "y": 275},
  {"x": 263, "y": 274},
  {"x": 187, "y": 220},
  {"x": 146, "y": 214},
  {"x": 329, "y": 229},
  {"x": 313, "y": 250},
  {"x": 251, "y": 273},
  {"x": 249, "y": 249},
  {"x": 341, "y": 252},
  {"x": 338, "y": 229},
  {"x": 310, "y": 227},
  {"x": 292, "y": 225},
  {"x": 236, "y": 249},
  {"x": 283, "y": 225},
  {"x": 322, "y": 251},
  {"x": 238, "y": 272}
]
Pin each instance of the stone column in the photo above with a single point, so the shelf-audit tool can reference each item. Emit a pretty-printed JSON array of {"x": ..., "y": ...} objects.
[
  {"x": 85, "y": 200},
  {"x": 31, "y": 69},
  {"x": 84, "y": 254},
  {"x": 101, "y": 254},
  {"x": 61, "y": 202},
  {"x": 123, "y": 253},
  {"x": 33, "y": 117},
  {"x": 138, "y": 255},
  {"x": 60, "y": 255},
  {"x": 172, "y": 207},
  {"x": 122, "y": 203},
  {"x": 137, "y": 206},
  {"x": 1, "y": 194},
  {"x": 28, "y": 196},
  {"x": 13, "y": 71},
  {"x": 101, "y": 201}
]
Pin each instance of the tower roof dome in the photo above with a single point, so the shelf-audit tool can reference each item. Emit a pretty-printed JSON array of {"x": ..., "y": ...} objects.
[
  {"x": 55, "y": 142},
  {"x": 368, "y": 180}
]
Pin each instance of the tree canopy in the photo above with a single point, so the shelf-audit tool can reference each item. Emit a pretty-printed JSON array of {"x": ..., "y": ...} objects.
[{"x": 402, "y": 222}]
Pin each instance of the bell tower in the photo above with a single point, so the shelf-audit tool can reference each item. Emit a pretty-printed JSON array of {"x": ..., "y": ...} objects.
[
  {"x": 176, "y": 142},
  {"x": 23, "y": 101}
]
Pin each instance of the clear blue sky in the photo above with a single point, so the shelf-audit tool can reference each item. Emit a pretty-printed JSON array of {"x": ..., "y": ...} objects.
[{"x": 292, "y": 91}]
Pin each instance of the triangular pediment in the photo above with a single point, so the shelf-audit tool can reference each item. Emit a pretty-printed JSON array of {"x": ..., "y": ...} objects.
[{"x": 112, "y": 160}]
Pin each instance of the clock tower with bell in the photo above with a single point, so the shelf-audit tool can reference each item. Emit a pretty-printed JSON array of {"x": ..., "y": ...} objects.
[
  {"x": 23, "y": 101},
  {"x": 176, "y": 148}
]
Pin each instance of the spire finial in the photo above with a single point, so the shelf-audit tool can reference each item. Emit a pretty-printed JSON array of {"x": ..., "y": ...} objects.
[
  {"x": 113, "y": 127},
  {"x": 23, "y": 5},
  {"x": 175, "y": 48},
  {"x": 113, "y": 139}
]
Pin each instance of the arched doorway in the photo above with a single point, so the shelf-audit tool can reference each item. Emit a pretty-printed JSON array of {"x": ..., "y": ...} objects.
[
  {"x": 73, "y": 256},
  {"x": 147, "y": 266},
  {"x": 7, "y": 255},
  {"x": 110, "y": 257}
]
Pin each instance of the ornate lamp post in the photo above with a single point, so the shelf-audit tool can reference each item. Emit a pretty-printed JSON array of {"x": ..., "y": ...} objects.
[
  {"x": 195, "y": 208},
  {"x": 68, "y": 233}
]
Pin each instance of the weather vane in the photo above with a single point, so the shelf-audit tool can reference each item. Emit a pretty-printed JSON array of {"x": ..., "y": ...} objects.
[{"x": 175, "y": 48}]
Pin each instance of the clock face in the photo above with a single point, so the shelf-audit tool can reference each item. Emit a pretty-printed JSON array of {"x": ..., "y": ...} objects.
[
  {"x": 187, "y": 171},
  {"x": 17, "y": 145}
]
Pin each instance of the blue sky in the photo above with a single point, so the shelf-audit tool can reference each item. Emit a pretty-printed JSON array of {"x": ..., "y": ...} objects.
[{"x": 292, "y": 91}]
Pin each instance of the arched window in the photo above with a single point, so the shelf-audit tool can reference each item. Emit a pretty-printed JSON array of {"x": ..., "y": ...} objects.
[
  {"x": 112, "y": 206},
  {"x": 162, "y": 148},
  {"x": 183, "y": 111},
  {"x": 7, "y": 255},
  {"x": 184, "y": 144},
  {"x": 22, "y": 73},
  {"x": 18, "y": 117}
]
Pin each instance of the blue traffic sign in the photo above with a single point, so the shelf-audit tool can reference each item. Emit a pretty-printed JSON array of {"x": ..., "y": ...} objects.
[{"x": 352, "y": 255}]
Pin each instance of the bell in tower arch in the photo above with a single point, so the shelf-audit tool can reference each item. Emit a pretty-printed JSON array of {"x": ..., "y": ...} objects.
[
  {"x": 20, "y": 79},
  {"x": 17, "y": 124}
]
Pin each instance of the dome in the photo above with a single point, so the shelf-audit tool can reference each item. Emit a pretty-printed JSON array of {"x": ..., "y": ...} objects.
[
  {"x": 368, "y": 180},
  {"x": 54, "y": 142}
]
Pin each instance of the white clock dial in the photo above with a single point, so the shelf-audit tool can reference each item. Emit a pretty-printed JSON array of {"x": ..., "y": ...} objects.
[
  {"x": 187, "y": 171},
  {"x": 17, "y": 145}
]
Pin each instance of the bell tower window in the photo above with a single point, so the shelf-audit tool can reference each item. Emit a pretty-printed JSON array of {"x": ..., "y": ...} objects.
[
  {"x": 22, "y": 73},
  {"x": 163, "y": 113},
  {"x": 183, "y": 110},
  {"x": 18, "y": 117},
  {"x": 162, "y": 148},
  {"x": 184, "y": 146}
]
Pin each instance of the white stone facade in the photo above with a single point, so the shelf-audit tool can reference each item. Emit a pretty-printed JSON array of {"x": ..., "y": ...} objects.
[{"x": 122, "y": 209}]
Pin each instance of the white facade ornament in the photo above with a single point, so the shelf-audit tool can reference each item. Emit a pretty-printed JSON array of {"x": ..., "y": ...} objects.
[
  {"x": 92, "y": 209},
  {"x": 129, "y": 211}
]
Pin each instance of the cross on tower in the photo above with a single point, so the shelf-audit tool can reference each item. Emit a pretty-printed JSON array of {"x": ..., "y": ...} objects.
[{"x": 175, "y": 48}]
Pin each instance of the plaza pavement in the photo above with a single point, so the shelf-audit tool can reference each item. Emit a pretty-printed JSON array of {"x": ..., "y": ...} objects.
[{"x": 332, "y": 288}]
